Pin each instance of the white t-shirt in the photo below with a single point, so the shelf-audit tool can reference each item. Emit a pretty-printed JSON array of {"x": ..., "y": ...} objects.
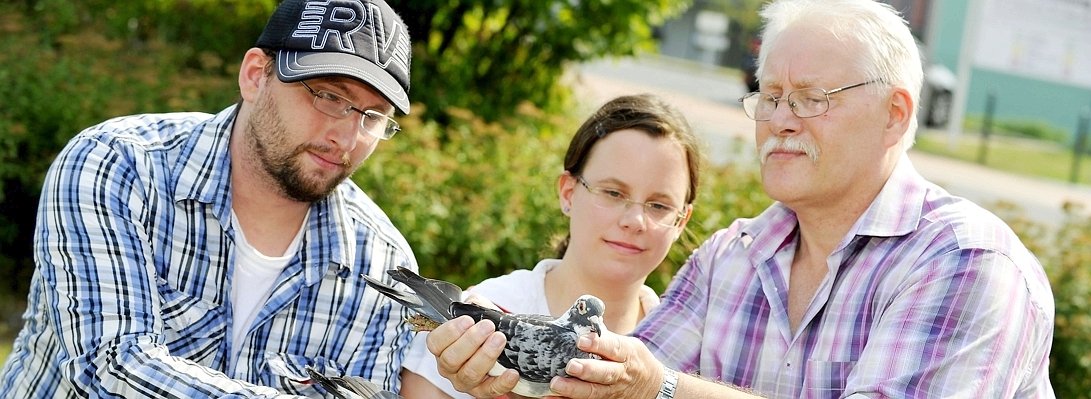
[
  {"x": 521, "y": 291},
  {"x": 253, "y": 279}
]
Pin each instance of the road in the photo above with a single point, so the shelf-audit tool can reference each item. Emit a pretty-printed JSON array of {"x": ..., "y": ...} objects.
[{"x": 709, "y": 98}]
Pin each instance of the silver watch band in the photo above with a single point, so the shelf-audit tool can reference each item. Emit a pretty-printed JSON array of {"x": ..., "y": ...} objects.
[{"x": 670, "y": 383}]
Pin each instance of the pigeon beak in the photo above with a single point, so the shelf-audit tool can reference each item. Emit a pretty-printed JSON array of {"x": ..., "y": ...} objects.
[{"x": 596, "y": 325}]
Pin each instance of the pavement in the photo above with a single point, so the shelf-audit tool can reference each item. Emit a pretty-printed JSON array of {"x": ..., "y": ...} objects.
[{"x": 708, "y": 96}]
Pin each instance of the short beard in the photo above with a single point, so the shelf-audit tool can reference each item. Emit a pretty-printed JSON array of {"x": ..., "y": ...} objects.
[
  {"x": 268, "y": 137},
  {"x": 791, "y": 144}
]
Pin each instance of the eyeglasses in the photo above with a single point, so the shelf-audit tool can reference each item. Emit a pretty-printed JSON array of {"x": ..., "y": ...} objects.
[
  {"x": 660, "y": 213},
  {"x": 373, "y": 122},
  {"x": 804, "y": 103}
]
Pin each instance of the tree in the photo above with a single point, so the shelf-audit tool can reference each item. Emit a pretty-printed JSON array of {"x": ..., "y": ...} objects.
[{"x": 488, "y": 56}]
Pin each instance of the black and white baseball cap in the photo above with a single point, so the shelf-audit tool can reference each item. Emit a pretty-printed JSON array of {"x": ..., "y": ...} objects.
[{"x": 361, "y": 39}]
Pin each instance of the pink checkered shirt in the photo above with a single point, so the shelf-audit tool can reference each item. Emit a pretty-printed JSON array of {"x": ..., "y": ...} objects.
[{"x": 928, "y": 295}]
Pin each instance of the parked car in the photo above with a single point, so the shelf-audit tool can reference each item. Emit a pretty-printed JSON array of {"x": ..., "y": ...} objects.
[{"x": 937, "y": 95}]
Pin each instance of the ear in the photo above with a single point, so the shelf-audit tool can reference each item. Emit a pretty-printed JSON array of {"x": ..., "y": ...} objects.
[
  {"x": 900, "y": 111},
  {"x": 685, "y": 220},
  {"x": 252, "y": 74},
  {"x": 566, "y": 186}
]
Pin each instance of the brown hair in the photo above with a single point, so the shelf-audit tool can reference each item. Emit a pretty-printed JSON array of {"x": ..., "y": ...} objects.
[
  {"x": 645, "y": 112},
  {"x": 269, "y": 65}
]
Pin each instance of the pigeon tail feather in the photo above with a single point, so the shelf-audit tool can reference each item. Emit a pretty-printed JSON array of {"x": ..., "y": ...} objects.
[{"x": 431, "y": 298}]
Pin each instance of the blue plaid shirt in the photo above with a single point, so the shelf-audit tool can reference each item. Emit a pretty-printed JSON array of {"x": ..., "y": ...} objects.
[{"x": 135, "y": 253}]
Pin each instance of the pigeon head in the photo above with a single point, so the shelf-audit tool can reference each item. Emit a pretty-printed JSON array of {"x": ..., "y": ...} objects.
[{"x": 587, "y": 311}]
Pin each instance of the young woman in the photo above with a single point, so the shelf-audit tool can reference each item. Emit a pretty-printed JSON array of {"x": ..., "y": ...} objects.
[{"x": 629, "y": 181}]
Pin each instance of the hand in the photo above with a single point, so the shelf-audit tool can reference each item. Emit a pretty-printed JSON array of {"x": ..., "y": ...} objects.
[
  {"x": 627, "y": 370},
  {"x": 465, "y": 352}
]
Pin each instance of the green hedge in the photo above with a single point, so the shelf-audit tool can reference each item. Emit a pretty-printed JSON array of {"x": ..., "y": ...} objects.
[
  {"x": 57, "y": 82},
  {"x": 1066, "y": 254},
  {"x": 474, "y": 199}
]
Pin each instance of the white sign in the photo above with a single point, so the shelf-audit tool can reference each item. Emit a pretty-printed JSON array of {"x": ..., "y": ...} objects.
[{"x": 1043, "y": 39}]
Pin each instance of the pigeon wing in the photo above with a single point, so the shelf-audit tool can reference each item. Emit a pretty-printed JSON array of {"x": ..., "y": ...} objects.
[
  {"x": 350, "y": 387},
  {"x": 365, "y": 388},
  {"x": 503, "y": 324},
  {"x": 407, "y": 299},
  {"x": 437, "y": 294},
  {"x": 541, "y": 348},
  {"x": 429, "y": 297}
]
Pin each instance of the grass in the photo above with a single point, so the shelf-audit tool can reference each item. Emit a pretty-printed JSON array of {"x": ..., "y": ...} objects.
[{"x": 1037, "y": 158}]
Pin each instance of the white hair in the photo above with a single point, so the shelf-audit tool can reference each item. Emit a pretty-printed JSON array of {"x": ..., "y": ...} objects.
[{"x": 889, "y": 53}]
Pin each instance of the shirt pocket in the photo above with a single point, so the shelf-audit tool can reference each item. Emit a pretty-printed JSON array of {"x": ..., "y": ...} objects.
[
  {"x": 826, "y": 379},
  {"x": 193, "y": 328}
]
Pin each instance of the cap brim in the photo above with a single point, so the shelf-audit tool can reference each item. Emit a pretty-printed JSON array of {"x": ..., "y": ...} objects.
[{"x": 294, "y": 66}]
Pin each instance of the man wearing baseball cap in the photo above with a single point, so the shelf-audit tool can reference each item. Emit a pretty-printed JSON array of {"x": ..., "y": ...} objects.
[{"x": 198, "y": 255}]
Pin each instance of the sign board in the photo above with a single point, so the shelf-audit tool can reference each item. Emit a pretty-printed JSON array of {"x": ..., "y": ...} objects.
[{"x": 1043, "y": 39}]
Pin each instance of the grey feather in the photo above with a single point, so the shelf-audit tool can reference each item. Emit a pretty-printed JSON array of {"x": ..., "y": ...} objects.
[
  {"x": 350, "y": 387},
  {"x": 429, "y": 297}
]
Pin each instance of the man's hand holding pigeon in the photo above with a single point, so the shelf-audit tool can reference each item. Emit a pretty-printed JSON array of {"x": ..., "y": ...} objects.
[
  {"x": 627, "y": 370},
  {"x": 466, "y": 351}
]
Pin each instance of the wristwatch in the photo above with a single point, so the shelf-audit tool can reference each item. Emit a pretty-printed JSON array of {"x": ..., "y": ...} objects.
[{"x": 670, "y": 383}]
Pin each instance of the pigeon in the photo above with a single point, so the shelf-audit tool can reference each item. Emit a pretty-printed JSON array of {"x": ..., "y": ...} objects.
[
  {"x": 539, "y": 346},
  {"x": 350, "y": 387}
]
